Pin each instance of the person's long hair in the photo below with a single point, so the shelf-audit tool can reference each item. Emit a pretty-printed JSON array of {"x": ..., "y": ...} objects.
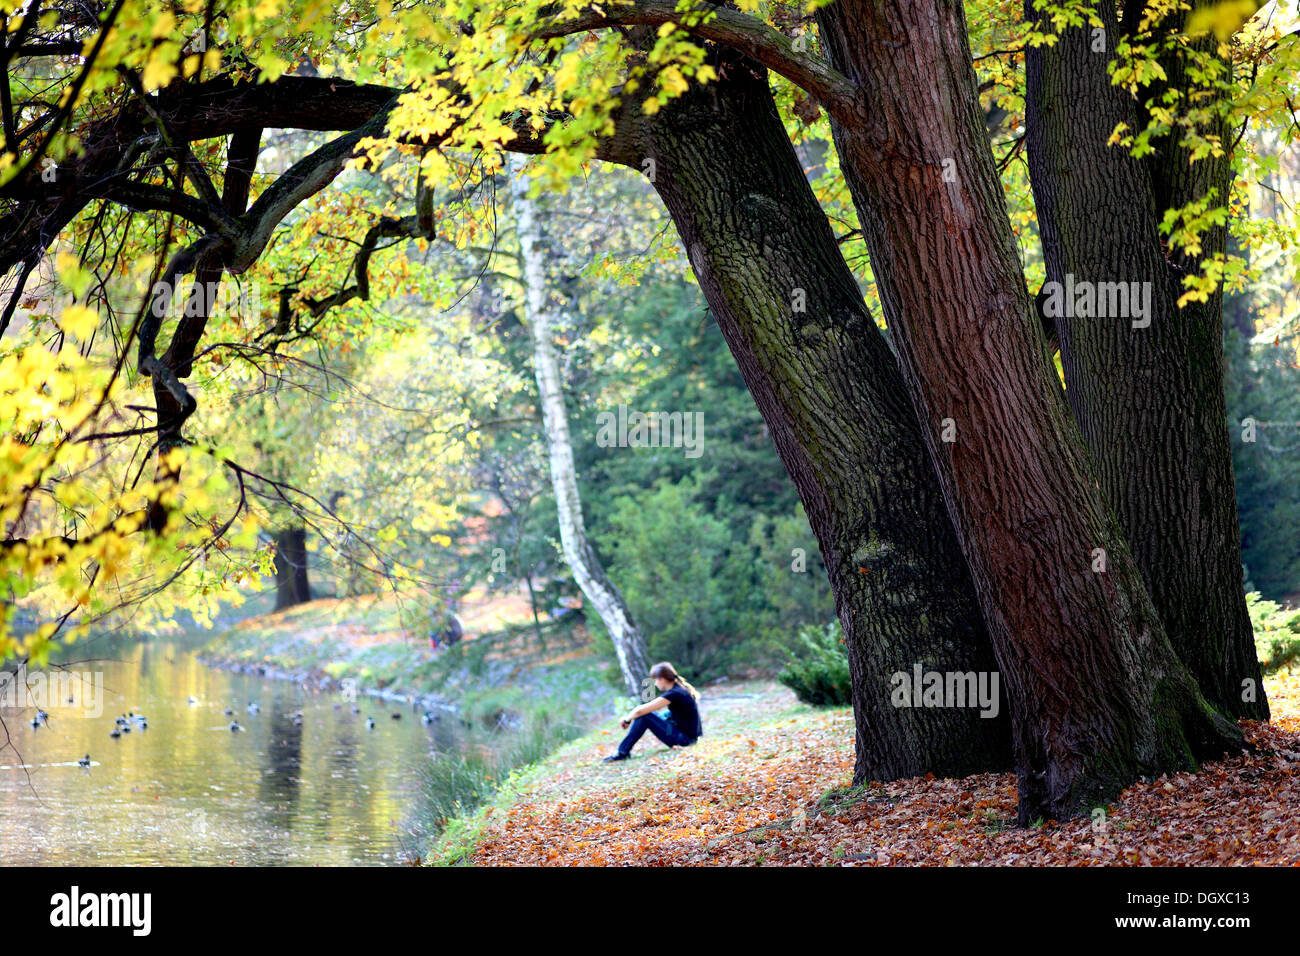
[{"x": 665, "y": 670}]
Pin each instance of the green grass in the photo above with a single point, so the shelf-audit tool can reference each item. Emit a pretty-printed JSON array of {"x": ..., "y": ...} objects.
[{"x": 455, "y": 784}]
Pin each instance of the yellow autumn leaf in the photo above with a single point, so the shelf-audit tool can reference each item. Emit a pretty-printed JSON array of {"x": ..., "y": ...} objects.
[
  {"x": 567, "y": 75},
  {"x": 164, "y": 25},
  {"x": 1224, "y": 19},
  {"x": 158, "y": 72},
  {"x": 79, "y": 321},
  {"x": 672, "y": 80}
]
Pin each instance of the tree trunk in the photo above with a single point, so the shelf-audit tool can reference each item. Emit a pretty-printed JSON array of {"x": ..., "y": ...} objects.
[
  {"x": 629, "y": 646},
  {"x": 1148, "y": 398},
  {"x": 532, "y": 603},
  {"x": 291, "y": 586},
  {"x": 1098, "y": 696},
  {"x": 831, "y": 393}
]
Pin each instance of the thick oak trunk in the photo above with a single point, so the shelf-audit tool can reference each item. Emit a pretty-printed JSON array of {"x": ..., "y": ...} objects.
[
  {"x": 833, "y": 398},
  {"x": 1098, "y": 696},
  {"x": 291, "y": 584},
  {"x": 1146, "y": 390}
]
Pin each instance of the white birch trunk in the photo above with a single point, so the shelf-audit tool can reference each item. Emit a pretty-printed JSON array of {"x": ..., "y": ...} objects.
[{"x": 581, "y": 557}]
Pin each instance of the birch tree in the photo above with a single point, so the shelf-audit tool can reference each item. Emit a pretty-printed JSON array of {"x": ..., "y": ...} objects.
[{"x": 542, "y": 318}]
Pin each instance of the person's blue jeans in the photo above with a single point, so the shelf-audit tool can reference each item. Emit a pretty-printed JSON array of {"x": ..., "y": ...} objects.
[{"x": 661, "y": 727}]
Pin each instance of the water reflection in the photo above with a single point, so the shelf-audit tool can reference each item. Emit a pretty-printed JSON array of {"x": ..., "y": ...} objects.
[{"x": 318, "y": 788}]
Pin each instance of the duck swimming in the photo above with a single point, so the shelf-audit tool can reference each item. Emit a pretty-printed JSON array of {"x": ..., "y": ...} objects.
[
  {"x": 115, "y": 733},
  {"x": 234, "y": 727},
  {"x": 370, "y": 723},
  {"x": 84, "y": 761},
  {"x": 253, "y": 708}
]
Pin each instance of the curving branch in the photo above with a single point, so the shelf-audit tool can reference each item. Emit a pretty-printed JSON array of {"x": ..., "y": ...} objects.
[
  {"x": 302, "y": 180},
  {"x": 742, "y": 32},
  {"x": 192, "y": 111},
  {"x": 411, "y": 227},
  {"x": 189, "y": 259},
  {"x": 191, "y": 169}
]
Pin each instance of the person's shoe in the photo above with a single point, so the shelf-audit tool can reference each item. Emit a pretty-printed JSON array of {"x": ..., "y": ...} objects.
[{"x": 612, "y": 757}]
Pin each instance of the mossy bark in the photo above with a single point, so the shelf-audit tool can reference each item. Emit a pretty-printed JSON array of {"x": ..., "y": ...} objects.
[
  {"x": 829, "y": 388},
  {"x": 1099, "y": 698},
  {"x": 1146, "y": 391}
]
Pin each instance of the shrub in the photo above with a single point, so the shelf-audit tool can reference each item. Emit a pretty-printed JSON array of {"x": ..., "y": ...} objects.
[
  {"x": 792, "y": 586},
  {"x": 1277, "y": 632},
  {"x": 818, "y": 671},
  {"x": 420, "y": 615}
]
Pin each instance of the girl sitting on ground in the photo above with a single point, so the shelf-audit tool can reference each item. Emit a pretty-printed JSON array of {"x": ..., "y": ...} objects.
[{"x": 679, "y": 727}]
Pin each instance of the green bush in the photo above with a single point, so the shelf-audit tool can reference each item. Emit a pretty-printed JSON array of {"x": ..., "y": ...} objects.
[
  {"x": 818, "y": 671},
  {"x": 1277, "y": 632},
  {"x": 689, "y": 589},
  {"x": 792, "y": 585}
]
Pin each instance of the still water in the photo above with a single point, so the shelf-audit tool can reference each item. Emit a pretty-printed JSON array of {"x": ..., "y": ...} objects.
[{"x": 319, "y": 789}]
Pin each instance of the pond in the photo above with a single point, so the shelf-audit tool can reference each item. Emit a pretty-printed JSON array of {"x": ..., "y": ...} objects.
[{"x": 305, "y": 782}]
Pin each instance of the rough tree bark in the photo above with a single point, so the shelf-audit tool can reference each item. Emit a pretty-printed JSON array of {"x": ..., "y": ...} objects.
[
  {"x": 629, "y": 645},
  {"x": 1099, "y": 698},
  {"x": 1148, "y": 398},
  {"x": 833, "y": 398}
]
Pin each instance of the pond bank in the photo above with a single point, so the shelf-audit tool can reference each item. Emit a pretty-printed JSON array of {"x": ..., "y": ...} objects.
[
  {"x": 516, "y": 696},
  {"x": 317, "y": 680},
  {"x": 321, "y": 644}
]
